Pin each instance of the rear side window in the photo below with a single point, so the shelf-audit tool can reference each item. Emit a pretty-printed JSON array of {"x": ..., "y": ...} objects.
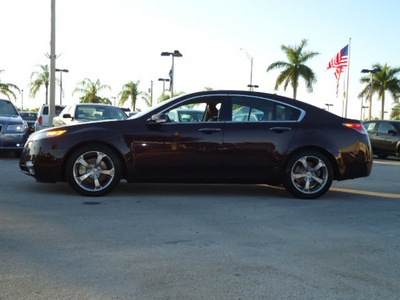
[
  {"x": 384, "y": 127},
  {"x": 249, "y": 109}
]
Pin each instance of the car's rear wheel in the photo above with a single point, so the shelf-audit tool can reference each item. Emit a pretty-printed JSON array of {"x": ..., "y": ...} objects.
[
  {"x": 93, "y": 170},
  {"x": 308, "y": 175}
]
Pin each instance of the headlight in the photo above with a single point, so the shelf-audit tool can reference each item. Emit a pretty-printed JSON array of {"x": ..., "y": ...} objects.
[{"x": 16, "y": 128}]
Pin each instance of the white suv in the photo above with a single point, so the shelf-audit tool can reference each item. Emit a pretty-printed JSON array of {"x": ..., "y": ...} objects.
[{"x": 42, "y": 121}]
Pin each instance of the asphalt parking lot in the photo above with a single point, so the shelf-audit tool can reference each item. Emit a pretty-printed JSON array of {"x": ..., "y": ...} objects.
[{"x": 163, "y": 241}]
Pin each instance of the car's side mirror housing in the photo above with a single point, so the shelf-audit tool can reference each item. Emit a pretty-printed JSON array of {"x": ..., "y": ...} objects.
[
  {"x": 392, "y": 131},
  {"x": 65, "y": 116},
  {"x": 159, "y": 118}
]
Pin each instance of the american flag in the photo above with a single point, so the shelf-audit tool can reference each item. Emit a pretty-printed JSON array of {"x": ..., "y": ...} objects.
[
  {"x": 171, "y": 80},
  {"x": 341, "y": 59}
]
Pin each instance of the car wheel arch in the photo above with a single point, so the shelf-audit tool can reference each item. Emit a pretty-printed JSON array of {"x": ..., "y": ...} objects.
[
  {"x": 111, "y": 147},
  {"x": 327, "y": 153}
]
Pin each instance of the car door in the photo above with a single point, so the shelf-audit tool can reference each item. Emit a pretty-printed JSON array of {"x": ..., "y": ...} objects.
[
  {"x": 386, "y": 140},
  {"x": 177, "y": 150},
  {"x": 257, "y": 136}
]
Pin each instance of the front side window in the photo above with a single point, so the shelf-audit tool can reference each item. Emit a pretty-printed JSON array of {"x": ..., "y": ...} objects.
[
  {"x": 370, "y": 126},
  {"x": 249, "y": 109},
  {"x": 196, "y": 110}
]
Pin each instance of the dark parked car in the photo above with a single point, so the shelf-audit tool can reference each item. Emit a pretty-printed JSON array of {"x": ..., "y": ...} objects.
[
  {"x": 384, "y": 136},
  {"x": 30, "y": 117},
  {"x": 80, "y": 113},
  {"x": 13, "y": 129},
  {"x": 280, "y": 141}
]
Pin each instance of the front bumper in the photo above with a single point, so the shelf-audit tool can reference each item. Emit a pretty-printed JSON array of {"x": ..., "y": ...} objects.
[
  {"x": 42, "y": 161},
  {"x": 12, "y": 141}
]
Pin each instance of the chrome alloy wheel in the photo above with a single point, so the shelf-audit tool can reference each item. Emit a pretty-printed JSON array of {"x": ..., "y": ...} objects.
[
  {"x": 309, "y": 174},
  {"x": 93, "y": 171}
]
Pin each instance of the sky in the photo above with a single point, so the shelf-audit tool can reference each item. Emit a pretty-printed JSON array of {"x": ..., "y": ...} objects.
[{"x": 121, "y": 40}]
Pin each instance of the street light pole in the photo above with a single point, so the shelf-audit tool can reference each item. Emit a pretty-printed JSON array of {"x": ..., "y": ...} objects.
[
  {"x": 174, "y": 54},
  {"x": 61, "y": 72},
  {"x": 251, "y": 71},
  {"x": 163, "y": 81},
  {"x": 371, "y": 83}
]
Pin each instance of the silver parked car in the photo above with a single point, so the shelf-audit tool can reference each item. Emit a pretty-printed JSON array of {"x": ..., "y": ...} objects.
[{"x": 85, "y": 112}]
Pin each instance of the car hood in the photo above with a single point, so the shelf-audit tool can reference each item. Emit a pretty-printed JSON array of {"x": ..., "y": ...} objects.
[{"x": 8, "y": 118}]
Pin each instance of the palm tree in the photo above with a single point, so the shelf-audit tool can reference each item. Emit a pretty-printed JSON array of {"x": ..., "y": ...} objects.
[
  {"x": 147, "y": 98},
  {"x": 383, "y": 81},
  {"x": 89, "y": 89},
  {"x": 164, "y": 97},
  {"x": 129, "y": 90},
  {"x": 295, "y": 68},
  {"x": 38, "y": 79},
  {"x": 5, "y": 89},
  {"x": 395, "y": 114}
]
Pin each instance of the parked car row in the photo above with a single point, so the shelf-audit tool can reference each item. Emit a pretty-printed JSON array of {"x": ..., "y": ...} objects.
[
  {"x": 384, "y": 136},
  {"x": 212, "y": 137}
]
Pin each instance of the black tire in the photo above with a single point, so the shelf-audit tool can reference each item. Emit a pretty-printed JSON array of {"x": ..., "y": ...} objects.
[
  {"x": 308, "y": 175},
  {"x": 93, "y": 170},
  {"x": 383, "y": 156}
]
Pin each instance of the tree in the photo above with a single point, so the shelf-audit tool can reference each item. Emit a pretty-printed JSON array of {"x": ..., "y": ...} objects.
[
  {"x": 39, "y": 79},
  {"x": 147, "y": 98},
  {"x": 295, "y": 68},
  {"x": 89, "y": 89},
  {"x": 164, "y": 97},
  {"x": 383, "y": 81},
  {"x": 129, "y": 90},
  {"x": 395, "y": 114},
  {"x": 6, "y": 89}
]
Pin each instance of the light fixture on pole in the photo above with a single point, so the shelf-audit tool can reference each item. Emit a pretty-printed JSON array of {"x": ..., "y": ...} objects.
[
  {"x": 371, "y": 83},
  {"x": 61, "y": 72},
  {"x": 328, "y": 105},
  {"x": 163, "y": 86},
  {"x": 252, "y": 86},
  {"x": 174, "y": 54}
]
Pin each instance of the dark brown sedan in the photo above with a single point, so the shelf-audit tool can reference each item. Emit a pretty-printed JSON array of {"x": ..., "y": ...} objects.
[{"x": 242, "y": 137}]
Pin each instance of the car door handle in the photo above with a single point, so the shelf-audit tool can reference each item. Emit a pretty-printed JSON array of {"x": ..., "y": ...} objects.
[
  {"x": 280, "y": 129},
  {"x": 209, "y": 130}
]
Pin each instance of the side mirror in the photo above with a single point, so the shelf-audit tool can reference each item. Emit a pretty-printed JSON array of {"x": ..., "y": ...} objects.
[
  {"x": 65, "y": 116},
  {"x": 160, "y": 118},
  {"x": 392, "y": 132}
]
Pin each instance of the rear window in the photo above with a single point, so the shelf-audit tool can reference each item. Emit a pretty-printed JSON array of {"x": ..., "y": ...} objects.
[{"x": 59, "y": 109}]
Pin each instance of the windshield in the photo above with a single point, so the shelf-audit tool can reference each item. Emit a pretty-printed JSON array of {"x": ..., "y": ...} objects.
[
  {"x": 88, "y": 112},
  {"x": 28, "y": 116},
  {"x": 142, "y": 113},
  {"x": 7, "y": 108}
]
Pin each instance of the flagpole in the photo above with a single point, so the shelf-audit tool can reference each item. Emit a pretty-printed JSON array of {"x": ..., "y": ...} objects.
[{"x": 348, "y": 77}]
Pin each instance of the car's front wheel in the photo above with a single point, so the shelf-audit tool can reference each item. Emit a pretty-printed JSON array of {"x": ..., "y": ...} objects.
[
  {"x": 308, "y": 175},
  {"x": 93, "y": 170}
]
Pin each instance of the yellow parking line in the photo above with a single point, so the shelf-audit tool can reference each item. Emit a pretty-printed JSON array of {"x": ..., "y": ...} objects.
[
  {"x": 367, "y": 193},
  {"x": 394, "y": 163}
]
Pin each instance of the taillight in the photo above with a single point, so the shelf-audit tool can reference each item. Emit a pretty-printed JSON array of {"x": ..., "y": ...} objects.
[
  {"x": 40, "y": 120},
  {"x": 357, "y": 126}
]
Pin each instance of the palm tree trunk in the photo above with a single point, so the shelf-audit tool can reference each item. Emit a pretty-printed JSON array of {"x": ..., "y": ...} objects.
[
  {"x": 47, "y": 93},
  {"x": 383, "y": 107},
  {"x": 294, "y": 93}
]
